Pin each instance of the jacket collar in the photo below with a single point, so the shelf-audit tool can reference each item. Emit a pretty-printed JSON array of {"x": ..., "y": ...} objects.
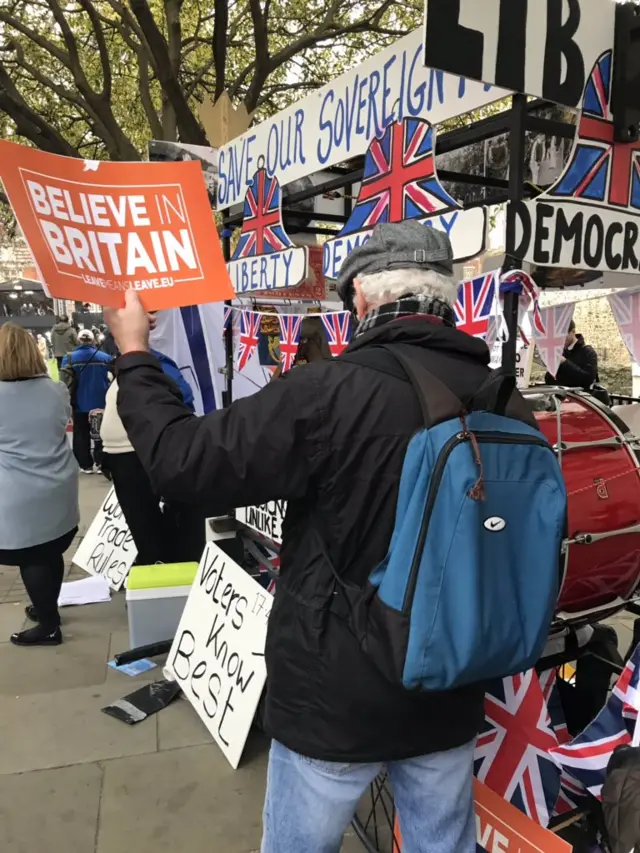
[{"x": 427, "y": 333}]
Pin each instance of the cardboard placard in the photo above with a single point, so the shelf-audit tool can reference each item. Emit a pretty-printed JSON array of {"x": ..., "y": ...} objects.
[
  {"x": 502, "y": 828},
  {"x": 108, "y": 548},
  {"x": 217, "y": 656},
  {"x": 541, "y": 49},
  {"x": 96, "y": 229},
  {"x": 266, "y": 519}
]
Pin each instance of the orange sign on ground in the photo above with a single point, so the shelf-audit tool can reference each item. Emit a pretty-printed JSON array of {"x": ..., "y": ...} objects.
[
  {"x": 96, "y": 229},
  {"x": 502, "y": 828}
]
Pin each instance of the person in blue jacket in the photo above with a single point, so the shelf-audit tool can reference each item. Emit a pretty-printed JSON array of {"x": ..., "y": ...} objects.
[{"x": 92, "y": 368}]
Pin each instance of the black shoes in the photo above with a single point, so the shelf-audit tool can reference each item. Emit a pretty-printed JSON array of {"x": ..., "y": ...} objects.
[
  {"x": 37, "y": 636},
  {"x": 31, "y": 613}
]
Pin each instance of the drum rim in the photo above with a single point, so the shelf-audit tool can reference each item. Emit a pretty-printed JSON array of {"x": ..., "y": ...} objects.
[{"x": 624, "y": 431}]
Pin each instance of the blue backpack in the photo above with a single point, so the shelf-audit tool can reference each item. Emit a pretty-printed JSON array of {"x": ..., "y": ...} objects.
[{"x": 467, "y": 590}]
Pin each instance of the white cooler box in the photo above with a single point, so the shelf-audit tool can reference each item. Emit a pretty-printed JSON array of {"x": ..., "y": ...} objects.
[{"x": 156, "y": 596}]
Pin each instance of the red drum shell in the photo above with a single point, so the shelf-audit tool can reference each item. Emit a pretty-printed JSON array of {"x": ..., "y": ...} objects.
[{"x": 604, "y": 496}]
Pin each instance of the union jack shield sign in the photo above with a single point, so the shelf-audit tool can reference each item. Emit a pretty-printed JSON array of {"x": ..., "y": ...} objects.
[{"x": 262, "y": 229}]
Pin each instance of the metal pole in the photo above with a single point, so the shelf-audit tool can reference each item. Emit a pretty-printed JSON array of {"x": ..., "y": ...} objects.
[
  {"x": 516, "y": 192},
  {"x": 227, "y": 396}
]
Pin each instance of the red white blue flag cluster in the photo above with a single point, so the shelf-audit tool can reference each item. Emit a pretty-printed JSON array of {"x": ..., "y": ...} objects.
[
  {"x": 337, "y": 326},
  {"x": 586, "y": 757},
  {"x": 526, "y": 755}
]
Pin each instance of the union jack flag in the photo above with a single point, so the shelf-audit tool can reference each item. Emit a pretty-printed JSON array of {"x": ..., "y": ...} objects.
[
  {"x": 626, "y": 309},
  {"x": 475, "y": 305},
  {"x": 290, "y": 325},
  {"x": 338, "y": 328},
  {"x": 400, "y": 180},
  {"x": 551, "y": 342},
  {"x": 249, "y": 336},
  {"x": 262, "y": 229},
  {"x": 512, "y": 753},
  {"x": 601, "y": 170},
  {"x": 572, "y": 793},
  {"x": 586, "y": 758}
]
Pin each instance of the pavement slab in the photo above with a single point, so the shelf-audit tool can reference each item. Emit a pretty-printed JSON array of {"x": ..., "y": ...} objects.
[
  {"x": 50, "y": 810},
  {"x": 179, "y": 726},
  {"x": 12, "y": 619},
  {"x": 181, "y": 799},
  {"x": 78, "y": 662},
  {"x": 65, "y": 727}
]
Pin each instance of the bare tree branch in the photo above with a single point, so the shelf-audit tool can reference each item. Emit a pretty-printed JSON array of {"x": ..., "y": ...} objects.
[
  {"x": 28, "y": 123},
  {"x": 220, "y": 33},
  {"x": 190, "y": 130},
  {"x": 105, "y": 59}
]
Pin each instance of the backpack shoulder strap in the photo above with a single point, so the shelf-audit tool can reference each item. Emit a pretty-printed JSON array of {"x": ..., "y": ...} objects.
[
  {"x": 494, "y": 394},
  {"x": 438, "y": 403}
]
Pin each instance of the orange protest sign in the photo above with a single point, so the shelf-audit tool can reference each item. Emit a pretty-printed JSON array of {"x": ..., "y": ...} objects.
[
  {"x": 96, "y": 229},
  {"x": 502, "y": 828}
]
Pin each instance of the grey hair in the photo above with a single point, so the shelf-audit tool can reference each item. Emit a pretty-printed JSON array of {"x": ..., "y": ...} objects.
[{"x": 388, "y": 286}]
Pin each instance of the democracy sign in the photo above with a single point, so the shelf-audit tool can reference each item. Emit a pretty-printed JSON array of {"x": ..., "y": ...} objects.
[
  {"x": 544, "y": 49},
  {"x": 590, "y": 218},
  {"x": 108, "y": 548},
  {"x": 218, "y": 652},
  {"x": 338, "y": 121},
  {"x": 96, "y": 229}
]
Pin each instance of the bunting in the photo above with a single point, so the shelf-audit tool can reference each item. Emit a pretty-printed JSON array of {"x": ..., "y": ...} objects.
[
  {"x": 249, "y": 337},
  {"x": 290, "y": 325},
  {"x": 626, "y": 310},
  {"x": 551, "y": 341}
]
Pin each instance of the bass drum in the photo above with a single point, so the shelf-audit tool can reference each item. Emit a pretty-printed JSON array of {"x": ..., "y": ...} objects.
[{"x": 600, "y": 463}]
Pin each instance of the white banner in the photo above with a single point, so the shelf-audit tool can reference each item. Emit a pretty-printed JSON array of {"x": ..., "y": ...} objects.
[
  {"x": 218, "y": 652},
  {"x": 544, "y": 49},
  {"x": 338, "y": 121},
  {"x": 108, "y": 548}
]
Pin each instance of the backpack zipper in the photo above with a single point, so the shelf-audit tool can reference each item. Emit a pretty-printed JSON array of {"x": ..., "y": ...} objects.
[{"x": 436, "y": 477}]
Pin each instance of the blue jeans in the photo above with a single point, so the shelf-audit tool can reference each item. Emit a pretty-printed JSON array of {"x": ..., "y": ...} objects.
[{"x": 309, "y": 804}]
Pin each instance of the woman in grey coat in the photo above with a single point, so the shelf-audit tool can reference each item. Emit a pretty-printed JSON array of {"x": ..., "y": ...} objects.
[{"x": 38, "y": 481}]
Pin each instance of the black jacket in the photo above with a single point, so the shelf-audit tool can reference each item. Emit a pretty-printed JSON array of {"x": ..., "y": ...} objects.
[
  {"x": 330, "y": 438},
  {"x": 580, "y": 370}
]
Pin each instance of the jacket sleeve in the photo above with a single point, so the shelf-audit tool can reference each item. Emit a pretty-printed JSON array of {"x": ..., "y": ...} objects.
[
  {"x": 583, "y": 376},
  {"x": 260, "y": 448}
]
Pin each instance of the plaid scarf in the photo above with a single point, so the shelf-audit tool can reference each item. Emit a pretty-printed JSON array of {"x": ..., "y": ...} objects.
[{"x": 407, "y": 306}]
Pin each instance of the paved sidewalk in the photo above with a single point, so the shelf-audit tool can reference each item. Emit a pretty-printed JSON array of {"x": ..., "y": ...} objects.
[{"x": 73, "y": 780}]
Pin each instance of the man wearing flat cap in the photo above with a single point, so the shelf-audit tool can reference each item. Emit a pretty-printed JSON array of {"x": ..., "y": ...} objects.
[{"x": 330, "y": 438}]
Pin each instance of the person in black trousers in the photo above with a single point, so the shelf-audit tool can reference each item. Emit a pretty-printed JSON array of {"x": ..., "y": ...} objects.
[
  {"x": 173, "y": 534},
  {"x": 38, "y": 481}
]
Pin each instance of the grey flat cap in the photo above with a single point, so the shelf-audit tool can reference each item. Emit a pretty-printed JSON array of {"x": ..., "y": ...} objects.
[{"x": 397, "y": 246}]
